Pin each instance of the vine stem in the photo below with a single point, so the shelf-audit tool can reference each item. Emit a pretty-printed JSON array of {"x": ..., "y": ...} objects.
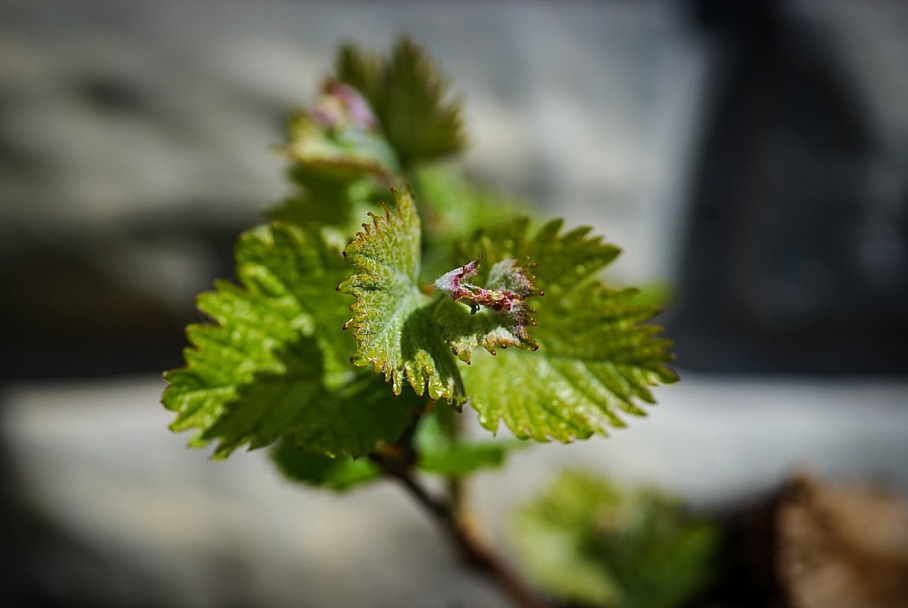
[{"x": 473, "y": 549}]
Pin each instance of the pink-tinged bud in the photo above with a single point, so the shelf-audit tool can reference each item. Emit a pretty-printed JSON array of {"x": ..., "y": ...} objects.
[
  {"x": 341, "y": 105},
  {"x": 357, "y": 107},
  {"x": 506, "y": 317},
  {"x": 509, "y": 283},
  {"x": 452, "y": 282}
]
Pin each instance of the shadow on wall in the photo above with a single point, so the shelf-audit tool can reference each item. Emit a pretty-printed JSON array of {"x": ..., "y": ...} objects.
[{"x": 797, "y": 252}]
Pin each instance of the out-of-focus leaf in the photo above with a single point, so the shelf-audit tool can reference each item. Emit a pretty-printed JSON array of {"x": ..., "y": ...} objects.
[
  {"x": 340, "y": 473},
  {"x": 339, "y": 138},
  {"x": 409, "y": 100},
  {"x": 442, "y": 454},
  {"x": 589, "y": 542}
]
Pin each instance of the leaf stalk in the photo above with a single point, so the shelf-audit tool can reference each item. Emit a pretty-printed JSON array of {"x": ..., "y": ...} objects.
[{"x": 473, "y": 550}]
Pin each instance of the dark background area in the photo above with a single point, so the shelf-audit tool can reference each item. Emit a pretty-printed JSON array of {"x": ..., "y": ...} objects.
[{"x": 797, "y": 255}]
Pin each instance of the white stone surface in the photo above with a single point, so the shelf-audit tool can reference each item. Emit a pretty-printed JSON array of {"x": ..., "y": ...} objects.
[
  {"x": 97, "y": 459},
  {"x": 570, "y": 104}
]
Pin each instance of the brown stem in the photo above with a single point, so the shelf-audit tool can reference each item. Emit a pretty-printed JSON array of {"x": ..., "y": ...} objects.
[
  {"x": 455, "y": 483},
  {"x": 474, "y": 550}
]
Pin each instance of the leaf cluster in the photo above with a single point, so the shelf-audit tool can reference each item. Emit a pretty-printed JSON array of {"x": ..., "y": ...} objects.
[{"x": 341, "y": 336}]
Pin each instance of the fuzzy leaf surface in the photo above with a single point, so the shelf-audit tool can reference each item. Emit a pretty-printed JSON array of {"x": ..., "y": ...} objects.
[
  {"x": 498, "y": 316},
  {"x": 595, "y": 360},
  {"x": 392, "y": 320}
]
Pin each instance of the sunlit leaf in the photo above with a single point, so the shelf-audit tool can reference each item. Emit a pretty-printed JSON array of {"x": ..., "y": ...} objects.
[
  {"x": 392, "y": 319},
  {"x": 275, "y": 359},
  {"x": 596, "y": 358}
]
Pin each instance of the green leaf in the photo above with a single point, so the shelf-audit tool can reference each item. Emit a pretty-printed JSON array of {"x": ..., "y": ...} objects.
[
  {"x": 339, "y": 474},
  {"x": 290, "y": 274},
  {"x": 271, "y": 402},
  {"x": 595, "y": 358},
  {"x": 318, "y": 200},
  {"x": 348, "y": 419},
  {"x": 276, "y": 360},
  {"x": 251, "y": 321},
  {"x": 356, "y": 415},
  {"x": 464, "y": 458},
  {"x": 563, "y": 260},
  {"x": 408, "y": 98},
  {"x": 445, "y": 454},
  {"x": 392, "y": 320},
  {"x": 587, "y": 541}
]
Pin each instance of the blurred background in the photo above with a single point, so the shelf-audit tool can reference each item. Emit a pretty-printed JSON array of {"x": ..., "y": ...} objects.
[{"x": 750, "y": 157}]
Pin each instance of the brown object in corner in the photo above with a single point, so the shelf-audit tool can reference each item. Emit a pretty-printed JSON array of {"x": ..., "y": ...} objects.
[{"x": 842, "y": 545}]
